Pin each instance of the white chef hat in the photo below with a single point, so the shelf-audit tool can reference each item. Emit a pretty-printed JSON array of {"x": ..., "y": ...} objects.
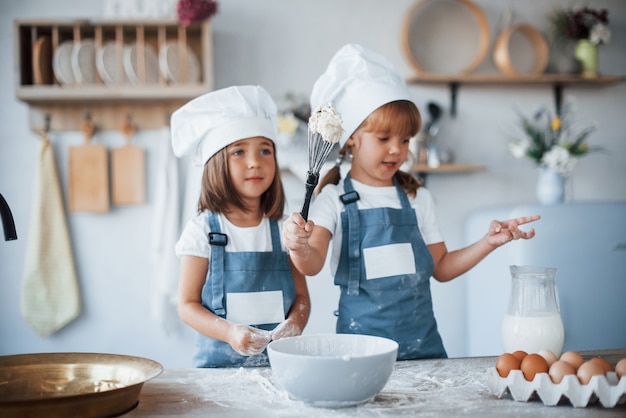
[
  {"x": 214, "y": 120},
  {"x": 358, "y": 81}
]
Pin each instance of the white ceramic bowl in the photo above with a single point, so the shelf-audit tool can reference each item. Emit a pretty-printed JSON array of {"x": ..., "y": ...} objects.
[{"x": 333, "y": 370}]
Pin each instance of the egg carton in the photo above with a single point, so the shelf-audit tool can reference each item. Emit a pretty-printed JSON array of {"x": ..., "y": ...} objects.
[{"x": 608, "y": 389}]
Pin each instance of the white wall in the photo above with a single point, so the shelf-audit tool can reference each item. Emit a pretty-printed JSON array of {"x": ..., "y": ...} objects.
[{"x": 284, "y": 45}]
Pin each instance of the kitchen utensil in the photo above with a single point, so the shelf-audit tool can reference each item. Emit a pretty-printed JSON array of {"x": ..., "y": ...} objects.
[
  {"x": 62, "y": 63},
  {"x": 128, "y": 170},
  {"x": 8, "y": 224},
  {"x": 72, "y": 384},
  {"x": 324, "y": 131},
  {"x": 505, "y": 61},
  {"x": 132, "y": 62},
  {"x": 42, "y": 61},
  {"x": 434, "y": 110},
  {"x": 88, "y": 174},
  {"x": 533, "y": 322},
  {"x": 432, "y": 128},
  {"x": 83, "y": 61},
  {"x": 332, "y": 370},
  {"x": 109, "y": 63},
  {"x": 428, "y": 35},
  {"x": 169, "y": 63}
]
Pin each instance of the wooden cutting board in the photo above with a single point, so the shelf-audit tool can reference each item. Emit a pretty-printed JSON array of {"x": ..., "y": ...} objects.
[
  {"x": 42, "y": 61},
  {"x": 128, "y": 171},
  {"x": 88, "y": 189}
]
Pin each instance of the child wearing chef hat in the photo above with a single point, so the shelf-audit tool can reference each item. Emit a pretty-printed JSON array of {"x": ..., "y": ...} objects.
[
  {"x": 386, "y": 242},
  {"x": 237, "y": 288}
]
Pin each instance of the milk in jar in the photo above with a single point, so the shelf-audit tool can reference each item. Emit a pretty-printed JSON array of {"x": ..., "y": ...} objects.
[{"x": 533, "y": 321}]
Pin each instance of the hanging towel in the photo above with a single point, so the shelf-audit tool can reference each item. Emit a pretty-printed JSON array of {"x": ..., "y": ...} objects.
[
  {"x": 166, "y": 230},
  {"x": 50, "y": 297}
]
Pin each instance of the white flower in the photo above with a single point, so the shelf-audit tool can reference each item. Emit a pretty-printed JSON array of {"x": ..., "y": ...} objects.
[
  {"x": 559, "y": 159},
  {"x": 518, "y": 148},
  {"x": 600, "y": 34}
]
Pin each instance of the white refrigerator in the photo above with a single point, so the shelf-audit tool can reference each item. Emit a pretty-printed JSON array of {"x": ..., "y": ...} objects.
[{"x": 586, "y": 242}]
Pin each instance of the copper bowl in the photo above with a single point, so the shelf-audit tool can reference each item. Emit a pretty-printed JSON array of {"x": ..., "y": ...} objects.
[{"x": 72, "y": 384}]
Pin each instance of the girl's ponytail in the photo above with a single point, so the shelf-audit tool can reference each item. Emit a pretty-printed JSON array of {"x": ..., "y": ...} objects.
[{"x": 334, "y": 174}]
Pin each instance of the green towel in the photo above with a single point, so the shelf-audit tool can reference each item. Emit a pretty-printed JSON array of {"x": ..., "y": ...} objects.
[{"x": 50, "y": 296}]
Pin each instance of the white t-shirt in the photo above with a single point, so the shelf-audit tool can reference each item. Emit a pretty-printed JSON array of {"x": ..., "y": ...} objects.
[
  {"x": 327, "y": 207},
  {"x": 194, "y": 239}
]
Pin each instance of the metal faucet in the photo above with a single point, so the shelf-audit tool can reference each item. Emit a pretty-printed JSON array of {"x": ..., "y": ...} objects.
[{"x": 7, "y": 220}]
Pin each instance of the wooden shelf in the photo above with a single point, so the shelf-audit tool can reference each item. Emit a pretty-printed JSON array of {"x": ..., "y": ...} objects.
[
  {"x": 557, "y": 81},
  {"x": 59, "y": 106},
  {"x": 448, "y": 168}
]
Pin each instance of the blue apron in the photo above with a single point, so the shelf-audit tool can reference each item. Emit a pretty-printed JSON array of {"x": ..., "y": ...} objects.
[
  {"x": 397, "y": 306},
  {"x": 237, "y": 273}
]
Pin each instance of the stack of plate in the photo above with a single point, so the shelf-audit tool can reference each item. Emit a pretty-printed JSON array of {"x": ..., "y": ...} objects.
[{"x": 78, "y": 63}]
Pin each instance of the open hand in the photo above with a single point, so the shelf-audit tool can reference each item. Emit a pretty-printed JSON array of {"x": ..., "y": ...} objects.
[{"x": 501, "y": 232}]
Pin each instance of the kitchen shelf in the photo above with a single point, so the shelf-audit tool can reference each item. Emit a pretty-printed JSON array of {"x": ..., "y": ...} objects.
[
  {"x": 448, "y": 168},
  {"x": 422, "y": 171},
  {"x": 557, "y": 81},
  {"x": 57, "y": 106}
]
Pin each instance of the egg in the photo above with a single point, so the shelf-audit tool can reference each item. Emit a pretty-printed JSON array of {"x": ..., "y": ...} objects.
[
  {"x": 533, "y": 364},
  {"x": 604, "y": 363},
  {"x": 560, "y": 369},
  {"x": 587, "y": 370},
  {"x": 620, "y": 368},
  {"x": 573, "y": 358},
  {"x": 548, "y": 355},
  {"x": 505, "y": 363},
  {"x": 520, "y": 354}
]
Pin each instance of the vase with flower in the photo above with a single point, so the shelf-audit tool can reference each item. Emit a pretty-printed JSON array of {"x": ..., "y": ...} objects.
[
  {"x": 589, "y": 28},
  {"x": 553, "y": 144}
]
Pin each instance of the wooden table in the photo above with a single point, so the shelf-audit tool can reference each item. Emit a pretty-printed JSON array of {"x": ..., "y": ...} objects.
[{"x": 441, "y": 388}]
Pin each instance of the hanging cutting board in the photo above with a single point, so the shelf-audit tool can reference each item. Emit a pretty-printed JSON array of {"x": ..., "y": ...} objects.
[
  {"x": 42, "y": 61},
  {"x": 88, "y": 189},
  {"x": 128, "y": 171}
]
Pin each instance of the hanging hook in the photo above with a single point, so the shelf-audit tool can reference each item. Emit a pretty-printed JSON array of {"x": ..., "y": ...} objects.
[
  {"x": 46, "y": 125},
  {"x": 128, "y": 128}
]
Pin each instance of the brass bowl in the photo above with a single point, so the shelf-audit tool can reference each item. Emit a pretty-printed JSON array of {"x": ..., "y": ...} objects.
[{"x": 72, "y": 384}]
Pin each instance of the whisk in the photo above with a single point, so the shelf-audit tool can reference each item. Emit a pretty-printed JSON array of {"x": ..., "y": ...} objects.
[{"x": 324, "y": 132}]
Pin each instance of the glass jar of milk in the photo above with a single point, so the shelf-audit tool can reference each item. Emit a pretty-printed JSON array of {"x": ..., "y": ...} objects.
[{"x": 533, "y": 321}]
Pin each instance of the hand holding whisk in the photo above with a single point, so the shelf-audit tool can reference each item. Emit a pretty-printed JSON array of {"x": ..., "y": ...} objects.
[{"x": 324, "y": 131}]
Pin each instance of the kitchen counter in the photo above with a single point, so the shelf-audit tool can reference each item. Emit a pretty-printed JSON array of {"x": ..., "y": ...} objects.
[{"x": 442, "y": 388}]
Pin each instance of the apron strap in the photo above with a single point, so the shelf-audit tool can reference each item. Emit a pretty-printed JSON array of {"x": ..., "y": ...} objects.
[
  {"x": 274, "y": 230},
  {"x": 218, "y": 243},
  {"x": 404, "y": 199},
  {"x": 349, "y": 199}
]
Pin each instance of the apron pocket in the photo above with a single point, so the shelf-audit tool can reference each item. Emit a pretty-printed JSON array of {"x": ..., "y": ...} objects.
[
  {"x": 389, "y": 260},
  {"x": 255, "y": 308}
]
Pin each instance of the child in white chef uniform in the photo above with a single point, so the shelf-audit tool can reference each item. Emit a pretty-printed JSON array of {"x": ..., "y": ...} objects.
[
  {"x": 238, "y": 288},
  {"x": 386, "y": 242}
]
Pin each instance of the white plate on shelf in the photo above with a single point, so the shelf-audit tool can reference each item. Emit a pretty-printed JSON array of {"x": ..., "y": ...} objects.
[
  {"x": 83, "y": 61},
  {"x": 170, "y": 64},
  {"x": 131, "y": 65},
  {"x": 107, "y": 64},
  {"x": 61, "y": 63}
]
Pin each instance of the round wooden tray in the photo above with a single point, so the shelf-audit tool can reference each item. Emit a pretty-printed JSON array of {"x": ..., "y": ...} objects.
[
  {"x": 502, "y": 53},
  {"x": 448, "y": 46}
]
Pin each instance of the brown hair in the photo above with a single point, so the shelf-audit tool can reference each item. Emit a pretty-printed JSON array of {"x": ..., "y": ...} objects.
[
  {"x": 400, "y": 117},
  {"x": 218, "y": 193}
]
